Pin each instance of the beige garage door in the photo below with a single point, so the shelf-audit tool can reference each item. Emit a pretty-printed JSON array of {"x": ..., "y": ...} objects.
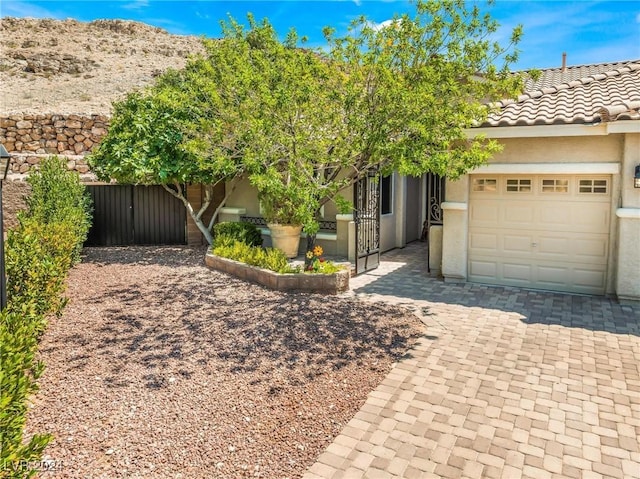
[{"x": 544, "y": 232}]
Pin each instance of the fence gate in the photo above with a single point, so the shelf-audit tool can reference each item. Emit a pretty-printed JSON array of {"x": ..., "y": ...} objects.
[
  {"x": 135, "y": 215},
  {"x": 435, "y": 197},
  {"x": 367, "y": 220}
]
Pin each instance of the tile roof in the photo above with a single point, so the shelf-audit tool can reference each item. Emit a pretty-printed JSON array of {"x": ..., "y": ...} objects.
[
  {"x": 555, "y": 76},
  {"x": 601, "y": 96}
]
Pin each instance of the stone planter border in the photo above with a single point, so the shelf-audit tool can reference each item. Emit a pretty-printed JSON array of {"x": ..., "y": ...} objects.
[{"x": 310, "y": 283}]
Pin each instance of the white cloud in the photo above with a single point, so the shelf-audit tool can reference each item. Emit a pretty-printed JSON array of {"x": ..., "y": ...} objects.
[
  {"x": 638, "y": 18},
  {"x": 136, "y": 5},
  {"x": 379, "y": 26}
]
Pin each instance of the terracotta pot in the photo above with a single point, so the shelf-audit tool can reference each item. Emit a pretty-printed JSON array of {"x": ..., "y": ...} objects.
[{"x": 286, "y": 238}]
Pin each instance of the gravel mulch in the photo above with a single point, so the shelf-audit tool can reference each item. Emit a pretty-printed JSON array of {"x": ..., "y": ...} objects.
[{"x": 162, "y": 368}]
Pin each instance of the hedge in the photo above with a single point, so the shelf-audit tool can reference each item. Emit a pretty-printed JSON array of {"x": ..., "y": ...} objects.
[{"x": 39, "y": 253}]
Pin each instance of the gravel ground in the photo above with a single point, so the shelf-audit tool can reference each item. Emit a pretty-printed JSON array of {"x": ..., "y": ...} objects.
[{"x": 162, "y": 368}]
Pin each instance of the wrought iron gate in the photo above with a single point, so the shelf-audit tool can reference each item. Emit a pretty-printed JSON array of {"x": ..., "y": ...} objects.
[
  {"x": 367, "y": 220},
  {"x": 435, "y": 197}
]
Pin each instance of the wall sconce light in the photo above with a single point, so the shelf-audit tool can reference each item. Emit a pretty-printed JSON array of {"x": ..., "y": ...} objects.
[{"x": 636, "y": 177}]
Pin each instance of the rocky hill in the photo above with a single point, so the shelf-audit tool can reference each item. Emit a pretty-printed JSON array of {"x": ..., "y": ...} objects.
[{"x": 72, "y": 67}]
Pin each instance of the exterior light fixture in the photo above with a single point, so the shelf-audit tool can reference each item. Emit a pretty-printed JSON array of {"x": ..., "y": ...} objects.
[
  {"x": 5, "y": 159},
  {"x": 636, "y": 177}
]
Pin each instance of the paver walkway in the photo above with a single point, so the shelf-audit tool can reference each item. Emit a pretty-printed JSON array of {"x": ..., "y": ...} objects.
[{"x": 506, "y": 383}]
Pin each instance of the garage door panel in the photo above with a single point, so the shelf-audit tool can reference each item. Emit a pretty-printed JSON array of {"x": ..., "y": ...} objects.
[
  {"x": 589, "y": 278},
  {"x": 484, "y": 212},
  {"x": 484, "y": 241},
  {"x": 513, "y": 243},
  {"x": 484, "y": 269},
  {"x": 516, "y": 272},
  {"x": 552, "y": 216},
  {"x": 553, "y": 246},
  {"x": 593, "y": 218},
  {"x": 552, "y": 275},
  {"x": 557, "y": 241},
  {"x": 518, "y": 214},
  {"x": 594, "y": 249}
]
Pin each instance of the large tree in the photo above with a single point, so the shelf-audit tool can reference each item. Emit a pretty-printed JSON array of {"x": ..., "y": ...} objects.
[
  {"x": 304, "y": 124},
  {"x": 171, "y": 134},
  {"x": 397, "y": 96}
]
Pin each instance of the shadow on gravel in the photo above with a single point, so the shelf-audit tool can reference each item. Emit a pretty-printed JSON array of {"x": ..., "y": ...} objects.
[
  {"x": 193, "y": 317},
  {"x": 144, "y": 255}
]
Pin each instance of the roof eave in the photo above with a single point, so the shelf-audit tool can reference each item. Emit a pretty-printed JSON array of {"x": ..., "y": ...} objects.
[{"x": 544, "y": 131}]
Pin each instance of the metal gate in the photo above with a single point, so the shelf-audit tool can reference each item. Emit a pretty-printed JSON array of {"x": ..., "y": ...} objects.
[
  {"x": 435, "y": 197},
  {"x": 367, "y": 221},
  {"x": 135, "y": 215}
]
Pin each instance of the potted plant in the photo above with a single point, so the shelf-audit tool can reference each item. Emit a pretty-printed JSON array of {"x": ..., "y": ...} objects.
[
  {"x": 284, "y": 225},
  {"x": 287, "y": 206}
]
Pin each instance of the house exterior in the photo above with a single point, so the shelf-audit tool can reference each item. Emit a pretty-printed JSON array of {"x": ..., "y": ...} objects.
[{"x": 557, "y": 208}]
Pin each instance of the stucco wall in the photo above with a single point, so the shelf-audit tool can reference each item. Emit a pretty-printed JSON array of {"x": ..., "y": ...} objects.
[
  {"x": 575, "y": 149},
  {"x": 630, "y": 196},
  {"x": 628, "y": 218},
  {"x": 246, "y": 196}
]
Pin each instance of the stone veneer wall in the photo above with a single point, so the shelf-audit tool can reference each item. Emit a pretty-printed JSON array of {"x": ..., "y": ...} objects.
[{"x": 30, "y": 138}]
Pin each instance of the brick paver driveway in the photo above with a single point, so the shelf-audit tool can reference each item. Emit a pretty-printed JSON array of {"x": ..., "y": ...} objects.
[{"x": 506, "y": 383}]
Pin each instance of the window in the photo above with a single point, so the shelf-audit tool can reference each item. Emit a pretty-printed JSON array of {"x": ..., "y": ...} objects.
[
  {"x": 555, "y": 186},
  {"x": 593, "y": 186},
  {"x": 519, "y": 185},
  {"x": 386, "y": 192},
  {"x": 485, "y": 184}
]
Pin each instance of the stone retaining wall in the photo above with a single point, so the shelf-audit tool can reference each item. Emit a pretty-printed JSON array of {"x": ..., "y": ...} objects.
[
  {"x": 305, "y": 282},
  {"x": 30, "y": 138}
]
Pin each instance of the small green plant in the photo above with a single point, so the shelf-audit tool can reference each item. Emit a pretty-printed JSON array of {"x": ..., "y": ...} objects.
[
  {"x": 57, "y": 196},
  {"x": 344, "y": 206},
  {"x": 269, "y": 258},
  {"x": 242, "y": 231},
  {"x": 18, "y": 380},
  {"x": 315, "y": 263}
]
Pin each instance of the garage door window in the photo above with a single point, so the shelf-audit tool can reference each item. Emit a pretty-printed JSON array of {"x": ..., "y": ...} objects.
[
  {"x": 485, "y": 184},
  {"x": 593, "y": 186},
  {"x": 555, "y": 186},
  {"x": 518, "y": 185}
]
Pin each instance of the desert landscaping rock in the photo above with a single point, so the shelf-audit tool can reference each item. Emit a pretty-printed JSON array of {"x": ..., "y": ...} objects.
[
  {"x": 67, "y": 66},
  {"x": 162, "y": 368}
]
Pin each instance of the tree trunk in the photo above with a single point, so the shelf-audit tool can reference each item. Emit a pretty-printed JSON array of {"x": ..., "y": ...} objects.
[
  {"x": 195, "y": 215},
  {"x": 199, "y": 223}
]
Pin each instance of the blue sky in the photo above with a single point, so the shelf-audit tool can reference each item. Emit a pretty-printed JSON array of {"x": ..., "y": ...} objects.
[{"x": 590, "y": 31}]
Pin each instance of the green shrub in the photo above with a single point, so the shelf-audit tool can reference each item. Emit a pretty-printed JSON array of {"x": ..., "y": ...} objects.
[
  {"x": 38, "y": 257},
  {"x": 20, "y": 371},
  {"x": 270, "y": 258},
  {"x": 39, "y": 253},
  {"x": 245, "y": 232},
  {"x": 57, "y": 196}
]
